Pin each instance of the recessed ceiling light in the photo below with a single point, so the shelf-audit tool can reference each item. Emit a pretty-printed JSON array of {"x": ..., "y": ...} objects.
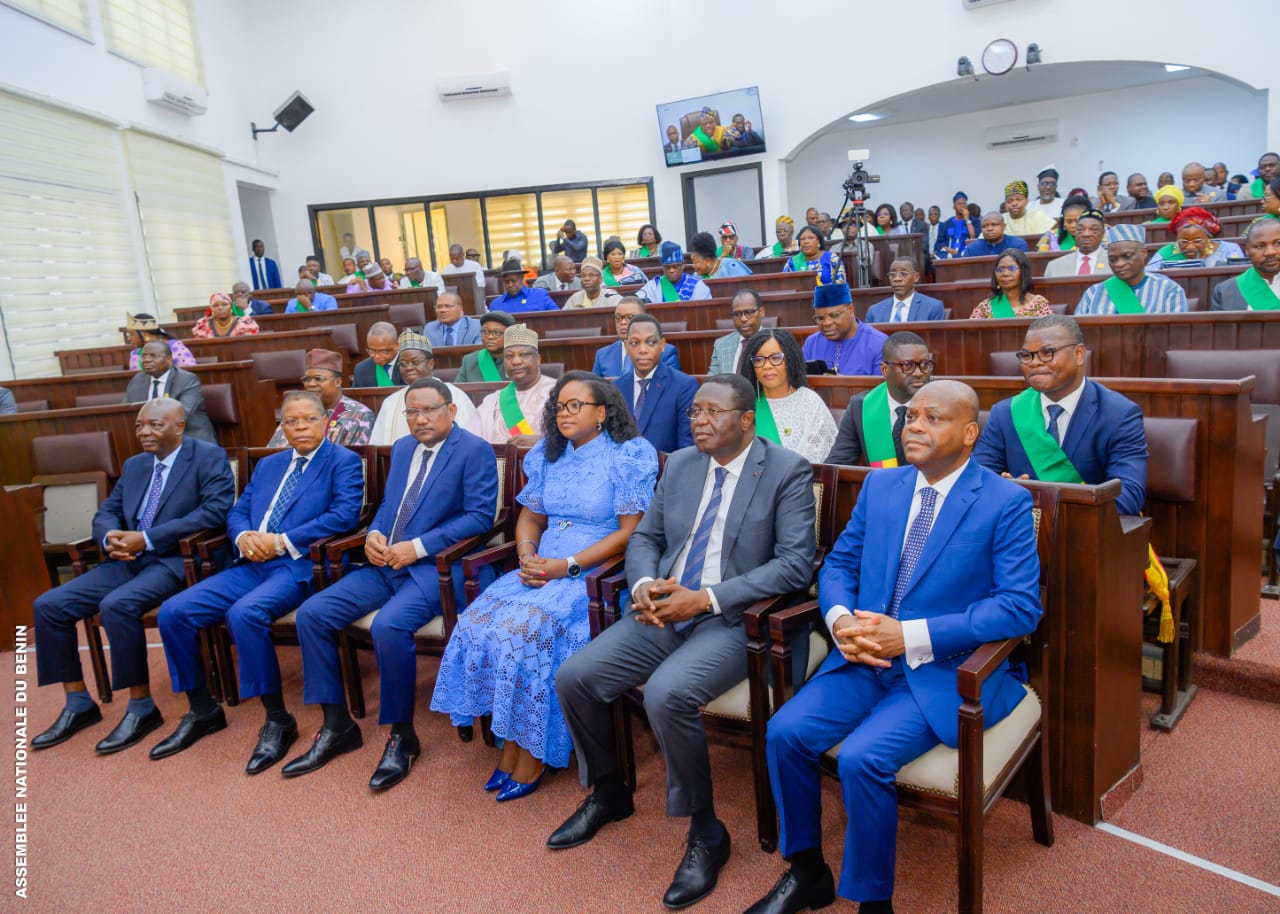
[
  {"x": 1174, "y": 67},
  {"x": 863, "y": 118}
]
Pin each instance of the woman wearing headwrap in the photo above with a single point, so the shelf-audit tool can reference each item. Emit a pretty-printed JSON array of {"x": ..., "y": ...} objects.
[
  {"x": 708, "y": 135},
  {"x": 1195, "y": 228},
  {"x": 1168, "y": 204},
  {"x": 141, "y": 329},
  {"x": 785, "y": 229},
  {"x": 221, "y": 320}
]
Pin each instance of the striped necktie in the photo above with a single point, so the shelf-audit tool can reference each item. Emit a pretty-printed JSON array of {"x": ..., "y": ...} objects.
[
  {"x": 914, "y": 546},
  {"x": 153, "y": 499},
  {"x": 410, "y": 499},
  {"x": 691, "y": 579},
  {"x": 286, "y": 491}
]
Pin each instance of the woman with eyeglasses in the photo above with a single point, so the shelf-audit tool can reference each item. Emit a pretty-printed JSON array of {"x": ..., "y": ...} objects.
[
  {"x": 648, "y": 242},
  {"x": 788, "y": 412},
  {"x": 589, "y": 482},
  {"x": 828, "y": 265},
  {"x": 1195, "y": 229},
  {"x": 1011, "y": 294}
]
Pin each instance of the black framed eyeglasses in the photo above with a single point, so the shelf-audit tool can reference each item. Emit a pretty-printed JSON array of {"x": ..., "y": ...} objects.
[
  {"x": 697, "y": 412},
  {"x": 744, "y": 313},
  {"x": 573, "y": 407},
  {"x": 911, "y": 366},
  {"x": 1044, "y": 354}
]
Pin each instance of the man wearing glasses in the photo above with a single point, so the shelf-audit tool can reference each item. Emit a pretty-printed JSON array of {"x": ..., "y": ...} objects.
[
  {"x": 731, "y": 522},
  {"x": 1064, "y": 427},
  {"x": 612, "y": 361},
  {"x": 843, "y": 344},
  {"x": 485, "y": 363},
  {"x": 870, "y": 431},
  {"x": 416, "y": 361},
  {"x": 296, "y": 496},
  {"x": 906, "y": 304},
  {"x": 748, "y": 316},
  {"x": 348, "y": 422},
  {"x": 441, "y": 488}
]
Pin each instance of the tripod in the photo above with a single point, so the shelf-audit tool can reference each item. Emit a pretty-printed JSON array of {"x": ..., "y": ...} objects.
[{"x": 854, "y": 200}]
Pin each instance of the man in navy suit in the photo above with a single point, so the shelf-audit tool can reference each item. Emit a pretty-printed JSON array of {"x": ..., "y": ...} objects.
[
  {"x": 612, "y": 361},
  {"x": 442, "y": 487},
  {"x": 906, "y": 304},
  {"x": 938, "y": 558},
  {"x": 264, "y": 270},
  {"x": 175, "y": 488},
  {"x": 311, "y": 491},
  {"x": 657, "y": 395},
  {"x": 1099, "y": 431}
]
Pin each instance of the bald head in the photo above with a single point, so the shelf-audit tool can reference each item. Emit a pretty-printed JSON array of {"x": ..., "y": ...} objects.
[
  {"x": 958, "y": 394},
  {"x": 164, "y": 408},
  {"x": 941, "y": 428},
  {"x": 159, "y": 426}
]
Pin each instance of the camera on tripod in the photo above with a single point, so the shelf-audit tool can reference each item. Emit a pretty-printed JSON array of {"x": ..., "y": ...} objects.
[{"x": 855, "y": 186}]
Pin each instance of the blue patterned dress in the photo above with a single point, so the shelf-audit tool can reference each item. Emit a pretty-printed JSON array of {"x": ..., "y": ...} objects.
[{"x": 503, "y": 656}]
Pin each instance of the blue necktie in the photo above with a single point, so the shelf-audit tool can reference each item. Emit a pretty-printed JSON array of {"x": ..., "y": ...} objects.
[
  {"x": 1055, "y": 413},
  {"x": 282, "y": 502},
  {"x": 697, "y": 557},
  {"x": 410, "y": 500},
  {"x": 448, "y": 335},
  {"x": 919, "y": 532},
  {"x": 644, "y": 392},
  {"x": 153, "y": 499}
]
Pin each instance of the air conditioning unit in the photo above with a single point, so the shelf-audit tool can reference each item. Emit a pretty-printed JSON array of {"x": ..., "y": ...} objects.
[
  {"x": 1029, "y": 134},
  {"x": 161, "y": 87},
  {"x": 488, "y": 85},
  {"x": 974, "y": 4}
]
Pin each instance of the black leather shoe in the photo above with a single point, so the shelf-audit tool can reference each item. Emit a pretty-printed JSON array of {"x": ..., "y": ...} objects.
[
  {"x": 397, "y": 759},
  {"x": 697, "y": 873},
  {"x": 328, "y": 745},
  {"x": 191, "y": 728},
  {"x": 274, "y": 740},
  {"x": 129, "y": 731},
  {"x": 68, "y": 724},
  {"x": 586, "y": 820},
  {"x": 791, "y": 894}
]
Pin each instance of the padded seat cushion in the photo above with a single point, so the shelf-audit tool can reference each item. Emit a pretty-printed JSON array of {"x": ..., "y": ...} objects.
[
  {"x": 433, "y": 629},
  {"x": 736, "y": 703}
]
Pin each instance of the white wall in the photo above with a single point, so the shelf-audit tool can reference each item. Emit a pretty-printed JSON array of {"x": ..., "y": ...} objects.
[{"x": 928, "y": 161}]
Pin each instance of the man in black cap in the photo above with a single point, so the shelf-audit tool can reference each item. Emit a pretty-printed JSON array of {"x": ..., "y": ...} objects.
[
  {"x": 1049, "y": 199},
  {"x": 1090, "y": 257},
  {"x": 520, "y": 297}
]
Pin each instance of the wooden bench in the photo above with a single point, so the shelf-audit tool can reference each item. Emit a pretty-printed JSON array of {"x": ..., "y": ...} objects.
[
  {"x": 1223, "y": 210},
  {"x": 233, "y": 349},
  {"x": 345, "y": 300}
]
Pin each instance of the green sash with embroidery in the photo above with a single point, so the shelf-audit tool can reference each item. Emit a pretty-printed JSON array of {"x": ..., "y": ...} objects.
[
  {"x": 1123, "y": 296},
  {"x": 1000, "y": 306},
  {"x": 766, "y": 427},
  {"x": 1046, "y": 455},
  {"x": 488, "y": 367},
  {"x": 1257, "y": 291},
  {"x": 876, "y": 430}
]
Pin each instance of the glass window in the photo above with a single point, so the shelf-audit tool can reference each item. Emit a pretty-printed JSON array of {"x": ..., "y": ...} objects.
[
  {"x": 456, "y": 222},
  {"x": 156, "y": 33},
  {"x": 622, "y": 211},
  {"x": 559, "y": 205},
  {"x": 402, "y": 233},
  {"x": 513, "y": 229},
  {"x": 65, "y": 14},
  {"x": 342, "y": 233}
]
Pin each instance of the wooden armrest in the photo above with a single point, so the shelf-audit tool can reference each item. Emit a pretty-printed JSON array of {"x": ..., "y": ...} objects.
[
  {"x": 981, "y": 664},
  {"x": 206, "y": 545},
  {"x": 334, "y": 549},
  {"x": 607, "y": 568},
  {"x": 755, "y": 616},
  {"x": 446, "y": 557},
  {"x": 784, "y": 623},
  {"x": 610, "y": 586},
  {"x": 473, "y": 563}
]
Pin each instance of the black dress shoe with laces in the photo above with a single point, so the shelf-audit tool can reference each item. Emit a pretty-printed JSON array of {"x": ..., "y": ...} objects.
[
  {"x": 397, "y": 759},
  {"x": 328, "y": 745},
  {"x": 791, "y": 894},
  {"x": 697, "y": 873},
  {"x": 131, "y": 729},
  {"x": 191, "y": 728},
  {"x": 274, "y": 740},
  {"x": 68, "y": 724},
  {"x": 586, "y": 820}
]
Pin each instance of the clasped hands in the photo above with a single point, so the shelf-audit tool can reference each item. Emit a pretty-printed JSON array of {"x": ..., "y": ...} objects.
[
  {"x": 665, "y": 600},
  {"x": 869, "y": 638},
  {"x": 124, "y": 545},
  {"x": 257, "y": 547},
  {"x": 536, "y": 571},
  {"x": 401, "y": 555}
]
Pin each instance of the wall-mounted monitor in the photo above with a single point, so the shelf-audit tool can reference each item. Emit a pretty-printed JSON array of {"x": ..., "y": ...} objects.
[{"x": 708, "y": 128}]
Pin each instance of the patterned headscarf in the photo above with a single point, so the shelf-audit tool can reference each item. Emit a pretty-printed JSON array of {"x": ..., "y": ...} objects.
[
  {"x": 1016, "y": 187},
  {"x": 1170, "y": 191},
  {"x": 787, "y": 219},
  {"x": 1196, "y": 215},
  {"x": 219, "y": 298}
]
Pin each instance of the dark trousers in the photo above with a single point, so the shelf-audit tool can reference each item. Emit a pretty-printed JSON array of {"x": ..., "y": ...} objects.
[{"x": 122, "y": 592}]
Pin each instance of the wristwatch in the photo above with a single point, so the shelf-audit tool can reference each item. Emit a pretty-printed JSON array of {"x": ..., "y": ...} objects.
[{"x": 573, "y": 567}]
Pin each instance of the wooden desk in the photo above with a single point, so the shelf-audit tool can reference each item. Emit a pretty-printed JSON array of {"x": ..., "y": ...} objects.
[
  {"x": 362, "y": 317},
  {"x": 234, "y": 349},
  {"x": 1222, "y": 210},
  {"x": 345, "y": 300}
]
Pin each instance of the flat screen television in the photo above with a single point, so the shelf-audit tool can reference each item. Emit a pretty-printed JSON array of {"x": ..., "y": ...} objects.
[{"x": 711, "y": 127}]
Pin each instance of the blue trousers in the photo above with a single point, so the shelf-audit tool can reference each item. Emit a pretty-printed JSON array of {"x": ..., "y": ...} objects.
[
  {"x": 249, "y": 597},
  {"x": 123, "y": 592},
  {"x": 883, "y": 728},
  {"x": 403, "y": 607}
]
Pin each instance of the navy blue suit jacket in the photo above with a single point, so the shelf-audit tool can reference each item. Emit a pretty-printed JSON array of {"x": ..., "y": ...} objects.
[
  {"x": 326, "y": 501},
  {"x": 1105, "y": 440},
  {"x": 977, "y": 580},
  {"x": 608, "y": 363},
  {"x": 922, "y": 308},
  {"x": 270, "y": 268},
  {"x": 662, "y": 422},
  {"x": 197, "y": 493},
  {"x": 258, "y": 307},
  {"x": 459, "y": 498}
]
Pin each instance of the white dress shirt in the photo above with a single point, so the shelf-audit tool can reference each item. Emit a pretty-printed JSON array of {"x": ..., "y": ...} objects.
[
  {"x": 1068, "y": 404},
  {"x": 711, "y": 565},
  {"x": 414, "y": 465},
  {"x": 903, "y": 306},
  {"x": 635, "y": 387},
  {"x": 160, "y": 387},
  {"x": 266, "y": 516},
  {"x": 917, "y": 646}
]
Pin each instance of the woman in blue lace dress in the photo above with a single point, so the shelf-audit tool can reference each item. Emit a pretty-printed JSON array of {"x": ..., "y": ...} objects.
[{"x": 589, "y": 482}]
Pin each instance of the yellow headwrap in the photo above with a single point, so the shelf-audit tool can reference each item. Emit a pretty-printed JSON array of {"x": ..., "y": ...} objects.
[
  {"x": 1016, "y": 187},
  {"x": 1170, "y": 191},
  {"x": 787, "y": 219}
]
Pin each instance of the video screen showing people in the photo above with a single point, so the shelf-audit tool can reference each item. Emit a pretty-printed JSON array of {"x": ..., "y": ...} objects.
[{"x": 716, "y": 126}]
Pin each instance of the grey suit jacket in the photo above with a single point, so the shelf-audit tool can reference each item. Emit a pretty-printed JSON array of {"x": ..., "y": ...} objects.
[
  {"x": 1227, "y": 297},
  {"x": 551, "y": 283},
  {"x": 184, "y": 387},
  {"x": 769, "y": 540},
  {"x": 1123, "y": 202},
  {"x": 722, "y": 354},
  {"x": 1066, "y": 265}
]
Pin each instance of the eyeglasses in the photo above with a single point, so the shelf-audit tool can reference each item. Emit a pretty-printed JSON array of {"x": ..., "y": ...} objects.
[
  {"x": 830, "y": 317},
  {"x": 697, "y": 412},
  {"x": 573, "y": 407},
  {"x": 775, "y": 359},
  {"x": 300, "y": 421},
  {"x": 899, "y": 274},
  {"x": 1007, "y": 268},
  {"x": 412, "y": 415},
  {"x": 911, "y": 366},
  {"x": 492, "y": 334},
  {"x": 744, "y": 314},
  {"x": 1045, "y": 354},
  {"x": 317, "y": 379},
  {"x": 622, "y": 318}
]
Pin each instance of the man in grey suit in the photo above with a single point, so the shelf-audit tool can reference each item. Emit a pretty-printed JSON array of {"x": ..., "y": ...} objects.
[
  {"x": 160, "y": 378},
  {"x": 1262, "y": 244},
  {"x": 748, "y": 316},
  {"x": 692, "y": 573},
  {"x": 562, "y": 278},
  {"x": 1109, "y": 199}
]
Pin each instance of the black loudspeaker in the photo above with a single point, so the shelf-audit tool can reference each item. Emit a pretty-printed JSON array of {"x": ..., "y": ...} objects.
[{"x": 293, "y": 112}]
